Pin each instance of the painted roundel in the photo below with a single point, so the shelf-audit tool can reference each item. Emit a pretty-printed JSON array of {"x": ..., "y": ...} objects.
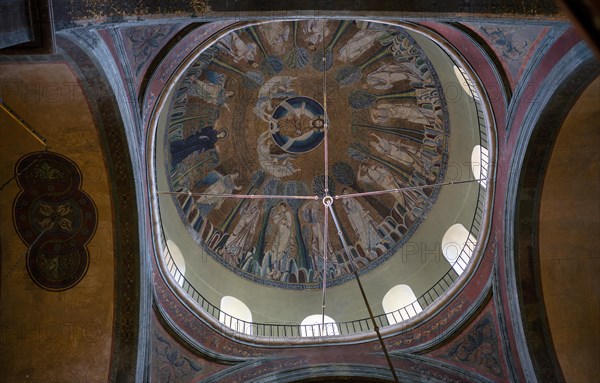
[
  {"x": 55, "y": 218},
  {"x": 249, "y": 117}
]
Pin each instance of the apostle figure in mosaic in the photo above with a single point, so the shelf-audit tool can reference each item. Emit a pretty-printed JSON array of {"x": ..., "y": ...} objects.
[
  {"x": 398, "y": 151},
  {"x": 381, "y": 176},
  {"x": 384, "y": 112},
  {"x": 222, "y": 185},
  {"x": 280, "y": 249},
  {"x": 200, "y": 141},
  {"x": 240, "y": 240},
  {"x": 277, "y": 34},
  {"x": 312, "y": 213},
  {"x": 315, "y": 30},
  {"x": 388, "y": 74},
  {"x": 211, "y": 90},
  {"x": 361, "y": 42},
  {"x": 237, "y": 48},
  {"x": 360, "y": 219}
]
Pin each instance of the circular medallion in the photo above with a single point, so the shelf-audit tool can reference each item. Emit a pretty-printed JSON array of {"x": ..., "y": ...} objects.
[
  {"x": 298, "y": 125},
  {"x": 57, "y": 263}
]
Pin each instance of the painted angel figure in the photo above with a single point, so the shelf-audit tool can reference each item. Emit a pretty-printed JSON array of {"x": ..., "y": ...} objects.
[
  {"x": 398, "y": 151},
  {"x": 384, "y": 112},
  {"x": 388, "y": 74},
  {"x": 510, "y": 48},
  {"x": 278, "y": 87},
  {"x": 361, "y": 42},
  {"x": 273, "y": 159}
]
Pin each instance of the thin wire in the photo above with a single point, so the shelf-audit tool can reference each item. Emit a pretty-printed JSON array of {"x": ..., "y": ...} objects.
[
  {"x": 316, "y": 197},
  {"x": 377, "y": 192},
  {"x": 16, "y": 175},
  {"x": 244, "y": 196},
  {"x": 14, "y": 267}
]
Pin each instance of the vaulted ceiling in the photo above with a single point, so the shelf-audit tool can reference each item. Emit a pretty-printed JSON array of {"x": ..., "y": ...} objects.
[{"x": 88, "y": 146}]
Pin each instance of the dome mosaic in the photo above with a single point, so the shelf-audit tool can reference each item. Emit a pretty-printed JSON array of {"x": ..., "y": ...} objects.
[{"x": 261, "y": 112}]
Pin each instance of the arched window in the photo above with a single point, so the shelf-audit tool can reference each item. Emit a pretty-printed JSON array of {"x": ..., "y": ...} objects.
[
  {"x": 236, "y": 315},
  {"x": 457, "y": 246},
  {"x": 312, "y": 325},
  {"x": 400, "y": 303},
  {"x": 176, "y": 264},
  {"x": 479, "y": 164}
]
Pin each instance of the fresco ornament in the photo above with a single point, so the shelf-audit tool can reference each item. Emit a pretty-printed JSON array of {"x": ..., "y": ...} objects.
[
  {"x": 169, "y": 364},
  {"x": 479, "y": 347},
  {"x": 55, "y": 218},
  {"x": 249, "y": 116},
  {"x": 514, "y": 44},
  {"x": 144, "y": 42}
]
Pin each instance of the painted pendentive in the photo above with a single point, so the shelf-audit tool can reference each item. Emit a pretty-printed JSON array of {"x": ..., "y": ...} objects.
[{"x": 513, "y": 44}]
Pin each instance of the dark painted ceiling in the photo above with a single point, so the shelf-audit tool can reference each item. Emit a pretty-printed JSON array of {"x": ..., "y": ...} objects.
[{"x": 68, "y": 12}]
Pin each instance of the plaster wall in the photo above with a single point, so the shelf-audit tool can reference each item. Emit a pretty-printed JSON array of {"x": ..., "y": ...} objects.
[
  {"x": 48, "y": 336},
  {"x": 569, "y": 240}
]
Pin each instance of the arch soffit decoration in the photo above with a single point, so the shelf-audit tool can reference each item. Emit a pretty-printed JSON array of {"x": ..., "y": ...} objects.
[
  {"x": 81, "y": 54},
  {"x": 540, "y": 127}
]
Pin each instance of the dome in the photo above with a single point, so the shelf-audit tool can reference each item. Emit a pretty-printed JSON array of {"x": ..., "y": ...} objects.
[{"x": 295, "y": 155}]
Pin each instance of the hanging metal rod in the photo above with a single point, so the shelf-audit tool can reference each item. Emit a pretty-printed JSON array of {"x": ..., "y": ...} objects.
[
  {"x": 389, "y": 191},
  {"x": 23, "y": 123},
  {"x": 31, "y": 131},
  {"x": 364, "y": 296},
  {"x": 316, "y": 197},
  {"x": 325, "y": 255}
]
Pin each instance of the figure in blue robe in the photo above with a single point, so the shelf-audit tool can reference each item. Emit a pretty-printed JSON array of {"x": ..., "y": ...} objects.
[{"x": 200, "y": 141}]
